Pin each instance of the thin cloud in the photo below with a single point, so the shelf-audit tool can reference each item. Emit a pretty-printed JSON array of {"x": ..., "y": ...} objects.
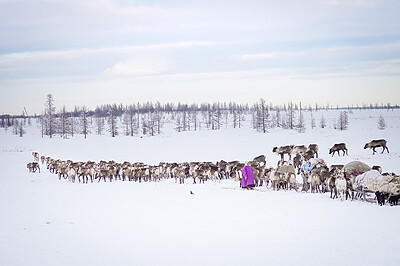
[
  {"x": 136, "y": 67},
  {"x": 74, "y": 53},
  {"x": 327, "y": 52}
]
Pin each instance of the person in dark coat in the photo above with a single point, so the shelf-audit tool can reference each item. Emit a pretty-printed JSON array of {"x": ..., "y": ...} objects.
[{"x": 247, "y": 176}]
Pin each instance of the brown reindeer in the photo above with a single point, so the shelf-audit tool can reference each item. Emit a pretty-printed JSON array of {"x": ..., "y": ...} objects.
[
  {"x": 373, "y": 144},
  {"x": 298, "y": 162},
  {"x": 260, "y": 159},
  {"x": 338, "y": 147},
  {"x": 33, "y": 166},
  {"x": 283, "y": 150},
  {"x": 314, "y": 148},
  {"x": 299, "y": 149}
]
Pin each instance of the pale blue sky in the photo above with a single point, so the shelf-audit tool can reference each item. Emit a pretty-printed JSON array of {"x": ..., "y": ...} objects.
[{"x": 87, "y": 52}]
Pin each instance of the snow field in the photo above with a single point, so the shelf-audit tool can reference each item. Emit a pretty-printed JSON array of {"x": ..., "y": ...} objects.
[{"x": 46, "y": 221}]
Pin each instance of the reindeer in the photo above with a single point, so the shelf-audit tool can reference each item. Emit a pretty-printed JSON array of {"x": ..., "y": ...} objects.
[
  {"x": 308, "y": 155},
  {"x": 211, "y": 170},
  {"x": 267, "y": 175},
  {"x": 314, "y": 148},
  {"x": 126, "y": 172},
  {"x": 88, "y": 171},
  {"x": 314, "y": 181},
  {"x": 197, "y": 171},
  {"x": 291, "y": 181},
  {"x": 35, "y": 156},
  {"x": 324, "y": 175},
  {"x": 377, "y": 168},
  {"x": 104, "y": 173},
  {"x": 236, "y": 171},
  {"x": 259, "y": 175},
  {"x": 299, "y": 150},
  {"x": 53, "y": 167},
  {"x": 155, "y": 173},
  {"x": 341, "y": 187},
  {"x": 231, "y": 168},
  {"x": 298, "y": 162},
  {"x": 275, "y": 177},
  {"x": 283, "y": 150},
  {"x": 71, "y": 173},
  {"x": 260, "y": 159},
  {"x": 288, "y": 173},
  {"x": 33, "y": 167},
  {"x": 373, "y": 144},
  {"x": 223, "y": 169},
  {"x": 331, "y": 184},
  {"x": 338, "y": 147},
  {"x": 312, "y": 178},
  {"x": 62, "y": 172},
  {"x": 180, "y": 172}
]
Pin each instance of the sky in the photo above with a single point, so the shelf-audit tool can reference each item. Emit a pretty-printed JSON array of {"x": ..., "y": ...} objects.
[{"x": 88, "y": 53}]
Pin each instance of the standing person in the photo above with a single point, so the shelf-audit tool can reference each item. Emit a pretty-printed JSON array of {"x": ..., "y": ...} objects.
[{"x": 247, "y": 176}]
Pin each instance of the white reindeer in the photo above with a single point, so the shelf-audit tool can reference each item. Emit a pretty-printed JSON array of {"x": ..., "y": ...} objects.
[{"x": 341, "y": 187}]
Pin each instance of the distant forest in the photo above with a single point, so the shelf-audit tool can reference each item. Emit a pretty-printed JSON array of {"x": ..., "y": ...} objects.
[{"x": 149, "y": 118}]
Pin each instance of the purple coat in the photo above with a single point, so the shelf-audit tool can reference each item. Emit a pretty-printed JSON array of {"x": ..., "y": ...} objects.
[{"x": 247, "y": 171}]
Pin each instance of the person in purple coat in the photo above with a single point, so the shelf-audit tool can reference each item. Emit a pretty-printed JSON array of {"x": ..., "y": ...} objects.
[{"x": 247, "y": 176}]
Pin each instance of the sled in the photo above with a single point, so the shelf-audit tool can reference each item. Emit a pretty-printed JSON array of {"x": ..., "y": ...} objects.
[{"x": 356, "y": 168}]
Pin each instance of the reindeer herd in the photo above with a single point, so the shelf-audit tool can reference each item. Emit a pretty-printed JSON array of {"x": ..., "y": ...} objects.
[
  {"x": 89, "y": 171},
  {"x": 317, "y": 177}
]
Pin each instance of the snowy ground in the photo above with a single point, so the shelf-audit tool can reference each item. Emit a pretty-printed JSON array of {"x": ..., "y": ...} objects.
[{"x": 46, "y": 221}]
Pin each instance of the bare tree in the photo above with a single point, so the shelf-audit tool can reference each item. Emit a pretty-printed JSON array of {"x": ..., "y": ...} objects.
[
  {"x": 241, "y": 118},
  {"x": 213, "y": 116},
  {"x": 144, "y": 125},
  {"x": 151, "y": 123},
  {"x": 301, "y": 124},
  {"x": 210, "y": 122},
  {"x": 15, "y": 125},
  {"x": 129, "y": 121},
  {"x": 261, "y": 116},
  {"x": 343, "y": 121},
  {"x": 178, "y": 123},
  {"x": 21, "y": 129},
  {"x": 72, "y": 124},
  {"x": 85, "y": 122},
  {"x": 312, "y": 121},
  {"x": 112, "y": 122},
  {"x": 226, "y": 116},
  {"x": 217, "y": 116},
  {"x": 185, "y": 120},
  {"x": 238, "y": 118},
  {"x": 322, "y": 122},
  {"x": 158, "y": 117},
  {"x": 99, "y": 121},
  {"x": 42, "y": 124},
  {"x": 49, "y": 117},
  {"x": 138, "y": 115},
  {"x": 290, "y": 116},
  {"x": 278, "y": 118},
  {"x": 63, "y": 122},
  {"x": 381, "y": 123},
  {"x": 193, "y": 115}
]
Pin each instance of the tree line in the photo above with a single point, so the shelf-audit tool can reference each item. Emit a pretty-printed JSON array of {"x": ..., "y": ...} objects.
[{"x": 149, "y": 118}]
